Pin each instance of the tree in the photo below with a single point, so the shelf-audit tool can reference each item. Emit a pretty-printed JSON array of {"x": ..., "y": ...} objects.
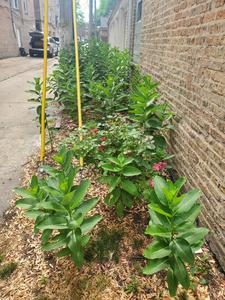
[{"x": 105, "y": 8}]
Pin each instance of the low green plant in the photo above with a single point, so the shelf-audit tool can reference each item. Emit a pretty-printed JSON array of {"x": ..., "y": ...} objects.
[
  {"x": 146, "y": 110},
  {"x": 106, "y": 246},
  {"x": 172, "y": 225},
  {"x": 7, "y": 269},
  {"x": 109, "y": 96},
  {"x": 59, "y": 209},
  {"x": 121, "y": 190},
  {"x": 132, "y": 287},
  {"x": 36, "y": 93}
]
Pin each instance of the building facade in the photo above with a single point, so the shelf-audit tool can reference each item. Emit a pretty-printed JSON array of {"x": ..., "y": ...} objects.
[
  {"x": 53, "y": 16},
  {"x": 182, "y": 45},
  {"x": 16, "y": 20},
  {"x": 8, "y": 45},
  {"x": 125, "y": 26}
]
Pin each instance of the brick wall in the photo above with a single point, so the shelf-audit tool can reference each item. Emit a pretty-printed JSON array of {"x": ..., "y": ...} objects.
[
  {"x": 183, "y": 47},
  {"x": 8, "y": 44}
]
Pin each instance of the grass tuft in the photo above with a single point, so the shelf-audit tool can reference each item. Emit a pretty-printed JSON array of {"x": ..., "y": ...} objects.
[
  {"x": 105, "y": 247},
  {"x": 7, "y": 269}
]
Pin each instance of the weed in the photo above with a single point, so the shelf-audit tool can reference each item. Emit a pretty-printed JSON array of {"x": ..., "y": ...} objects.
[
  {"x": 2, "y": 256},
  {"x": 7, "y": 269},
  {"x": 44, "y": 279},
  {"x": 137, "y": 244},
  {"x": 133, "y": 286},
  {"x": 106, "y": 246}
]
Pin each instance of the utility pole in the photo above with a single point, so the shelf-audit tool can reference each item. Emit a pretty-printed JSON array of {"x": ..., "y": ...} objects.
[{"x": 90, "y": 28}]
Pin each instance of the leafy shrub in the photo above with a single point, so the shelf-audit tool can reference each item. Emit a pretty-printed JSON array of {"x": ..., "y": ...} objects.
[
  {"x": 151, "y": 115},
  {"x": 7, "y": 269},
  {"x": 36, "y": 92},
  {"x": 116, "y": 136},
  {"x": 121, "y": 190},
  {"x": 176, "y": 238},
  {"x": 59, "y": 209},
  {"x": 108, "y": 97}
]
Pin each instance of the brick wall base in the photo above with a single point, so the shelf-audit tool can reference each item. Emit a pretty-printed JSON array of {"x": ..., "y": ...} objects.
[{"x": 183, "y": 47}]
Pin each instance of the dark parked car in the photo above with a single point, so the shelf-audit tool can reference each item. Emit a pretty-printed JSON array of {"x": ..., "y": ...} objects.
[{"x": 37, "y": 45}]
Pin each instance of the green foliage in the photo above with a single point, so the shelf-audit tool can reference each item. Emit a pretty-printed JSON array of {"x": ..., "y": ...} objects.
[
  {"x": 63, "y": 81},
  {"x": 145, "y": 109},
  {"x": 36, "y": 93},
  {"x": 108, "y": 97},
  {"x": 132, "y": 287},
  {"x": 59, "y": 209},
  {"x": 122, "y": 190},
  {"x": 106, "y": 246},
  {"x": 7, "y": 269},
  {"x": 105, "y": 7},
  {"x": 176, "y": 238}
]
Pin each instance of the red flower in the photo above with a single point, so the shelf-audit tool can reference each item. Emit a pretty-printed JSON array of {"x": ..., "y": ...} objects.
[
  {"x": 103, "y": 139},
  {"x": 94, "y": 131},
  {"x": 151, "y": 183},
  {"x": 160, "y": 166},
  {"x": 101, "y": 148}
]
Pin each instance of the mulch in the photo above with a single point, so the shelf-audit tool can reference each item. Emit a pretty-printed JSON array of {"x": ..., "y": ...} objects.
[{"x": 43, "y": 276}]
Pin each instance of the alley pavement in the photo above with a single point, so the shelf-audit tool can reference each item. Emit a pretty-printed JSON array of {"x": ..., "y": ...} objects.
[{"x": 19, "y": 134}]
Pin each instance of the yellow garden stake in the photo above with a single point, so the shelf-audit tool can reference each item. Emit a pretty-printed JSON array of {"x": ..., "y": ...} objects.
[
  {"x": 43, "y": 99},
  {"x": 80, "y": 125}
]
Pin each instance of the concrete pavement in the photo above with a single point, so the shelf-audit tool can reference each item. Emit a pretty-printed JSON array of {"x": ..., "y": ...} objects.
[{"x": 19, "y": 134}]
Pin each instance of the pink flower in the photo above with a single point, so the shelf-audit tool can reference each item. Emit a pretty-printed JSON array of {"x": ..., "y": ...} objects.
[
  {"x": 151, "y": 183},
  {"x": 94, "y": 131},
  {"x": 160, "y": 166},
  {"x": 101, "y": 148},
  {"x": 103, "y": 139}
]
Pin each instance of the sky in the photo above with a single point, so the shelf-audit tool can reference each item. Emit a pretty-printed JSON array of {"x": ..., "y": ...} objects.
[{"x": 84, "y": 6}]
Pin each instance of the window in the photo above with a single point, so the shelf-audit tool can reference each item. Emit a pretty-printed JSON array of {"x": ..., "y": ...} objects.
[
  {"x": 16, "y": 4},
  {"x": 25, "y": 7},
  {"x": 139, "y": 11}
]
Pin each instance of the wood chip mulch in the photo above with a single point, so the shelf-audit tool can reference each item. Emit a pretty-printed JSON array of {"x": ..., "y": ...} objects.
[{"x": 43, "y": 276}]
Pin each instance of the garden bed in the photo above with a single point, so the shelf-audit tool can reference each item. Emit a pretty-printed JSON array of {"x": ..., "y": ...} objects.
[{"x": 114, "y": 260}]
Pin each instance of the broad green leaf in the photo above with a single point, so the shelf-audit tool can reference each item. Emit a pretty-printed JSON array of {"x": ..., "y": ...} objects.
[
  {"x": 158, "y": 230},
  {"x": 120, "y": 209},
  {"x": 53, "y": 223},
  {"x": 129, "y": 187},
  {"x": 80, "y": 193},
  {"x": 128, "y": 161},
  {"x": 159, "y": 185},
  {"x": 111, "y": 168},
  {"x": 172, "y": 283},
  {"x": 194, "y": 235},
  {"x": 159, "y": 210},
  {"x": 51, "y": 205},
  {"x": 157, "y": 249},
  {"x": 90, "y": 223},
  {"x": 126, "y": 199},
  {"x": 114, "y": 182},
  {"x": 86, "y": 206},
  {"x": 26, "y": 203},
  {"x": 189, "y": 216},
  {"x": 54, "y": 245},
  {"x": 46, "y": 235},
  {"x": 114, "y": 160},
  {"x": 181, "y": 273},
  {"x": 130, "y": 171},
  {"x": 24, "y": 193},
  {"x": 78, "y": 258},
  {"x": 188, "y": 201},
  {"x": 33, "y": 214},
  {"x": 179, "y": 183},
  {"x": 155, "y": 266},
  {"x": 49, "y": 170},
  {"x": 183, "y": 250}
]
